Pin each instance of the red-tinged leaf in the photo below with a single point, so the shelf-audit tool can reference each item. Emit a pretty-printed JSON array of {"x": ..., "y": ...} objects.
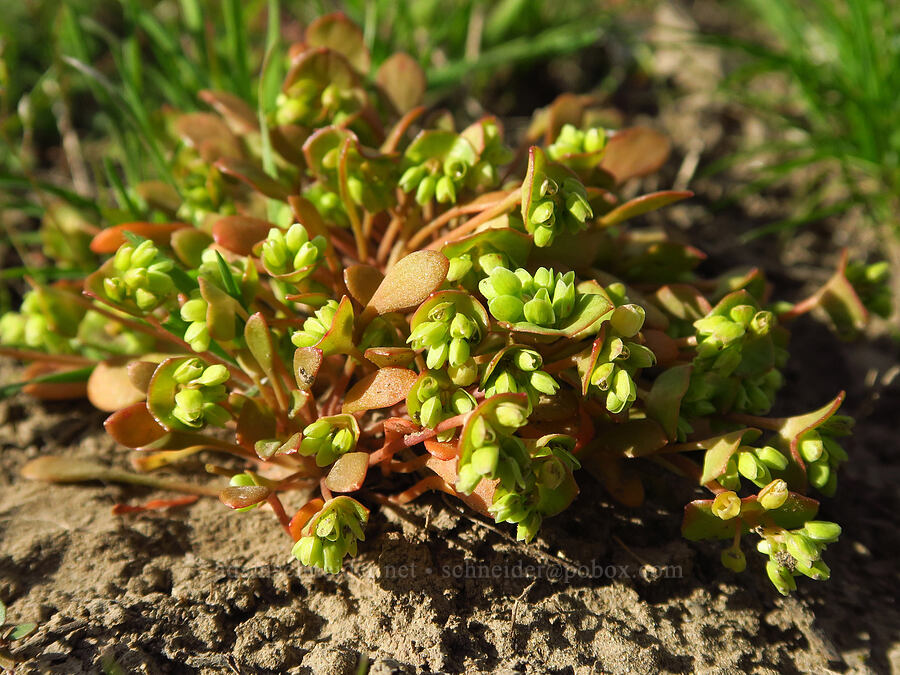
[
  {"x": 381, "y": 389},
  {"x": 307, "y": 361},
  {"x": 338, "y": 33},
  {"x": 634, "y": 438},
  {"x": 402, "y": 80},
  {"x": 701, "y": 523},
  {"x": 52, "y": 469},
  {"x": 237, "y": 113},
  {"x": 322, "y": 66},
  {"x": 189, "y": 245},
  {"x": 221, "y": 311},
  {"x": 385, "y": 357},
  {"x": 841, "y": 303},
  {"x": 140, "y": 372},
  {"x": 288, "y": 140},
  {"x": 109, "y": 240},
  {"x": 664, "y": 400},
  {"x": 134, "y": 426},
  {"x": 441, "y": 450},
  {"x": 409, "y": 282},
  {"x": 52, "y": 391},
  {"x": 259, "y": 341},
  {"x": 663, "y": 347},
  {"x": 348, "y": 473},
  {"x": 308, "y": 215},
  {"x": 109, "y": 387},
  {"x": 254, "y": 176},
  {"x": 481, "y": 498},
  {"x": 719, "y": 451},
  {"x": 339, "y": 337},
  {"x": 242, "y": 496},
  {"x": 159, "y": 195},
  {"x": 618, "y": 479},
  {"x": 254, "y": 423},
  {"x": 683, "y": 302},
  {"x": 362, "y": 281},
  {"x": 239, "y": 234},
  {"x": 643, "y": 204},
  {"x": 635, "y": 152},
  {"x": 209, "y": 135},
  {"x": 154, "y": 505},
  {"x": 303, "y": 516}
]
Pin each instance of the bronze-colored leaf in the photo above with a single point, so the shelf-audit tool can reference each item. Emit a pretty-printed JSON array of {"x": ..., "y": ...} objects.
[
  {"x": 381, "y": 389},
  {"x": 402, "y": 80},
  {"x": 362, "y": 281},
  {"x": 384, "y": 357},
  {"x": 307, "y": 361},
  {"x": 348, "y": 473},
  {"x": 109, "y": 240},
  {"x": 254, "y": 176},
  {"x": 239, "y": 234},
  {"x": 134, "y": 426},
  {"x": 209, "y": 135},
  {"x": 338, "y": 33},
  {"x": 634, "y": 152},
  {"x": 237, "y": 113},
  {"x": 409, "y": 282},
  {"x": 242, "y": 496},
  {"x": 110, "y": 388}
]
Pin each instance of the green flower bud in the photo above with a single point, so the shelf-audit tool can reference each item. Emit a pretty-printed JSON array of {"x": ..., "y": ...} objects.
[
  {"x": 772, "y": 458},
  {"x": 467, "y": 479},
  {"x": 427, "y": 388},
  {"x": 543, "y": 383},
  {"x": 461, "y": 402},
  {"x": 484, "y": 459},
  {"x": 505, "y": 282},
  {"x": 544, "y": 278},
  {"x": 734, "y": 559},
  {"x": 773, "y": 495},
  {"x": 214, "y": 375},
  {"x": 726, "y": 505},
  {"x": 564, "y": 297},
  {"x": 818, "y": 571},
  {"x": 459, "y": 352},
  {"x": 802, "y": 548},
  {"x": 742, "y": 314},
  {"x": 539, "y": 310},
  {"x": 780, "y": 577},
  {"x": 510, "y": 415},
  {"x": 505, "y": 383},
  {"x": 751, "y": 468},
  {"x": 144, "y": 254},
  {"x": 189, "y": 400},
  {"x": 488, "y": 261},
  {"x": 189, "y": 370},
  {"x": 542, "y": 211},
  {"x": 194, "y": 310},
  {"x": 602, "y": 376},
  {"x": 460, "y": 266},
  {"x": 318, "y": 429},
  {"x": 579, "y": 207},
  {"x": 594, "y": 139},
  {"x": 411, "y": 178},
  {"x": 818, "y": 473},
  {"x": 762, "y": 323},
  {"x": 527, "y": 360},
  {"x": 426, "y": 189},
  {"x": 506, "y": 308},
  {"x": 543, "y": 236},
  {"x": 431, "y": 413},
  {"x": 437, "y": 356},
  {"x": 811, "y": 446},
  {"x": 343, "y": 440},
  {"x": 627, "y": 320},
  {"x": 822, "y": 530},
  {"x": 464, "y": 375},
  {"x": 445, "y": 190},
  {"x": 624, "y": 386}
]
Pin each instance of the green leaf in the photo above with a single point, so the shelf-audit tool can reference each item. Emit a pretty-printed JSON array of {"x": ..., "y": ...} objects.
[
  {"x": 664, "y": 401},
  {"x": 22, "y": 630},
  {"x": 643, "y": 204}
]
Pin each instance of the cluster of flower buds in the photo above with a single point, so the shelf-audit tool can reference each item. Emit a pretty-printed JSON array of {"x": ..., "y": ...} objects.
[
  {"x": 544, "y": 299},
  {"x": 327, "y": 439},
  {"x": 202, "y": 188},
  {"x": 490, "y": 450},
  {"x": 434, "y": 398},
  {"x": 292, "y": 252},
  {"x": 727, "y": 374},
  {"x": 559, "y": 207},
  {"x": 327, "y": 203},
  {"x": 332, "y": 534},
  {"x": 619, "y": 358},
  {"x": 448, "y": 334},
  {"x": 309, "y": 100},
  {"x": 436, "y": 179},
  {"x": 315, "y": 327},
  {"x": 574, "y": 141},
  {"x": 545, "y": 489},
  {"x": 795, "y": 552},
  {"x": 194, "y": 312},
  {"x": 41, "y": 323},
  {"x": 140, "y": 277},
  {"x": 519, "y": 371},
  {"x": 199, "y": 390},
  {"x": 822, "y": 454},
  {"x": 753, "y": 464},
  {"x": 469, "y": 270}
]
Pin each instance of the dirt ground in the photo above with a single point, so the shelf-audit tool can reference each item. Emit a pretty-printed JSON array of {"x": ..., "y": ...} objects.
[{"x": 435, "y": 588}]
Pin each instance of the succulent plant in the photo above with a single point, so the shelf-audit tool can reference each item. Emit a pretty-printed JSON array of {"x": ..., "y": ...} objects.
[{"x": 390, "y": 294}]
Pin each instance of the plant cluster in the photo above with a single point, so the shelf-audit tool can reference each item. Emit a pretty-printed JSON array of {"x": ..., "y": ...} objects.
[{"x": 350, "y": 286}]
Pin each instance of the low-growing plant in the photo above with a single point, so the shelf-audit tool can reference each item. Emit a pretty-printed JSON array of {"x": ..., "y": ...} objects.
[
  {"x": 348, "y": 286},
  {"x": 9, "y": 633}
]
